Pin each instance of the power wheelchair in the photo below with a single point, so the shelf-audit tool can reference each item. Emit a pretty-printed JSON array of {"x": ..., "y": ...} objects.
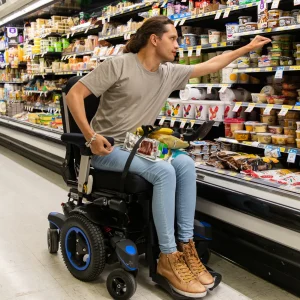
[{"x": 107, "y": 218}]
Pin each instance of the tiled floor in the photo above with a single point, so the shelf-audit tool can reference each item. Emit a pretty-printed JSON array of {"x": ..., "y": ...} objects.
[{"x": 28, "y": 193}]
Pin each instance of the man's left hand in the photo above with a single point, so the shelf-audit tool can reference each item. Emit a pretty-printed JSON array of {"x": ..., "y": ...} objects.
[{"x": 258, "y": 42}]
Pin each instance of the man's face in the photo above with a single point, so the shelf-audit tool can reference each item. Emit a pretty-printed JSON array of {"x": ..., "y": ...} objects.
[{"x": 167, "y": 45}]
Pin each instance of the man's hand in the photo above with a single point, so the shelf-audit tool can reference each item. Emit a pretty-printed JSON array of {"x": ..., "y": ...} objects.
[
  {"x": 101, "y": 146},
  {"x": 258, "y": 42}
]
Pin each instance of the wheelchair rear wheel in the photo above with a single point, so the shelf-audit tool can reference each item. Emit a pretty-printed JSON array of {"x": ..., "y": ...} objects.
[
  {"x": 121, "y": 285},
  {"x": 82, "y": 246}
]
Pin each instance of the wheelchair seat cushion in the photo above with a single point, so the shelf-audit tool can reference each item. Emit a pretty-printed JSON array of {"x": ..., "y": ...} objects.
[{"x": 112, "y": 180}]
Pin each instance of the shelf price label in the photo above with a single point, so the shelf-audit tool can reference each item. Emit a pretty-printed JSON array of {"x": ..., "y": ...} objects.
[
  {"x": 296, "y": 2},
  {"x": 176, "y": 23},
  {"x": 275, "y": 4},
  {"x": 218, "y": 14},
  {"x": 226, "y": 13},
  {"x": 173, "y": 120},
  {"x": 223, "y": 89},
  {"x": 181, "y": 52},
  {"x": 182, "y": 123},
  {"x": 190, "y": 51},
  {"x": 279, "y": 72},
  {"x": 268, "y": 109},
  {"x": 293, "y": 68},
  {"x": 292, "y": 155},
  {"x": 250, "y": 107},
  {"x": 164, "y": 3},
  {"x": 209, "y": 88},
  {"x": 284, "y": 110},
  {"x": 182, "y": 22},
  {"x": 198, "y": 50},
  {"x": 192, "y": 123},
  {"x": 162, "y": 120},
  {"x": 237, "y": 106}
]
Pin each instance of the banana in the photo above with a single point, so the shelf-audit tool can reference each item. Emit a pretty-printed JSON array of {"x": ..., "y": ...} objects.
[{"x": 167, "y": 131}]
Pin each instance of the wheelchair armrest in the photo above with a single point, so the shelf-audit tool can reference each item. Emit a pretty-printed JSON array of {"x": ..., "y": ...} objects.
[{"x": 78, "y": 140}]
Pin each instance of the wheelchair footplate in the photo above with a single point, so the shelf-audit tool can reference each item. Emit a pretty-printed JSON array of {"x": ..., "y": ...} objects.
[{"x": 164, "y": 283}]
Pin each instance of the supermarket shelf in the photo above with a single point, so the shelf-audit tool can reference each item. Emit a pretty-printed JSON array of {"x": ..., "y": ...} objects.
[
  {"x": 275, "y": 106},
  {"x": 188, "y": 16},
  {"x": 212, "y": 46},
  {"x": 269, "y": 30},
  {"x": 38, "y": 129},
  {"x": 126, "y": 35},
  {"x": 32, "y": 56},
  {"x": 79, "y": 73},
  {"x": 81, "y": 31},
  {"x": 66, "y": 55},
  {"x": 245, "y": 180},
  {"x": 29, "y": 92},
  {"x": 266, "y": 69},
  {"x": 215, "y": 85},
  {"x": 13, "y": 82},
  {"x": 131, "y": 9},
  {"x": 184, "y": 120},
  {"x": 282, "y": 149}
]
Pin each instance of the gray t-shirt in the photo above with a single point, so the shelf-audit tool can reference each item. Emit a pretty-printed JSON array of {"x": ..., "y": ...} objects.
[{"x": 131, "y": 95}]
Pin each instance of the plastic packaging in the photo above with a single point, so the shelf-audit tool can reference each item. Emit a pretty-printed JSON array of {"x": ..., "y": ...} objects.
[
  {"x": 241, "y": 135},
  {"x": 264, "y": 138}
]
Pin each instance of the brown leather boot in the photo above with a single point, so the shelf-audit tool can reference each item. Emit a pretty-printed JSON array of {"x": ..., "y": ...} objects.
[
  {"x": 174, "y": 269},
  {"x": 194, "y": 263}
]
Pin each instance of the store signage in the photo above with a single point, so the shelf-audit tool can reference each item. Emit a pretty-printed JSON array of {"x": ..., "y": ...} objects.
[
  {"x": 279, "y": 72},
  {"x": 292, "y": 155},
  {"x": 275, "y": 4}
]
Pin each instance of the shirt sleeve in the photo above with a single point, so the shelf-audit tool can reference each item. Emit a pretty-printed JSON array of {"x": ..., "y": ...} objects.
[
  {"x": 180, "y": 76},
  {"x": 102, "y": 78}
]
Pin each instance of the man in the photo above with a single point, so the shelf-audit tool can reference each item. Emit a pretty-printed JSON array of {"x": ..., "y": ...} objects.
[{"x": 134, "y": 87}]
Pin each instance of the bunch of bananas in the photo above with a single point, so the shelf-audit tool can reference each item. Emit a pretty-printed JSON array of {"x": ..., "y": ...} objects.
[{"x": 164, "y": 135}]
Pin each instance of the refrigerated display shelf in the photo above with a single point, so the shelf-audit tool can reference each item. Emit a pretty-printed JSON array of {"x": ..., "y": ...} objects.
[
  {"x": 266, "y": 69},
  {"x": 212, "y": 46},
  {"x": 184, "y": 120},
  {"x": 281, "y": 148},
  {"x": 273, "y": 106}
]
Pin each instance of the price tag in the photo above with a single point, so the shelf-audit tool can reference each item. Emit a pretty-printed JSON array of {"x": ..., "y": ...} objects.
[
  {"x": 181, "y": 52},
  {"x": 87, "y": 29},
  {"x": 275, "y": 4},
  {"x": 269, "y": 69},
  {"x": 297, "y": 106},
  {"x": 103, "y": 21},
  {"x": 190, "y": 51},
  {"x": 176, "y": 23},
  {"x": 226, "y": 13},
  {"x": 79, "y": 73},
  {"x": 224, "y": 44},
  {"x": 198, "y": 50},
  {"x": 183, "y": 0},
  {"x": 255, "y": 144},
  {"x": 192, "y": 123},
  {"x": 223, "y": 89},
  {"x": 182, "y": 22},
  {"x": 72, "y": 33},
  {"x": 173, "y": 120},
  {"x": 162, "y": 120},
  {"x": 296, "y": 2},
  {"x": 237, "y": 106},
  {"x": 74, "y": 55},
  {"x": 209, "y": 88},
  {"x": 218, "y": 14},
  {"x": 294, "y": 68},
  {"x": 248, "y": 178},
  {"x": 183, "y": 122},
  {"x": 221, "y": 171},
  {"x": 268, "y": 109},
  {"x": 232, "y": 173},
  {"x": 279, "y": 72},
  {"x": 164, "y": 3},
  {"x": 292, "y": 156},
  {"x": 214, "y": 45},
  {"x": 284, "y": 110},
  {"x": 108, "y": 19},
  {"x": 250, "y": 107},
  {"x": 43, "y": 54}
]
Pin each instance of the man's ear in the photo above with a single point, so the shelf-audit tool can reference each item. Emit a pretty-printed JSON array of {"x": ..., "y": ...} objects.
[{"x": 153, "y": 39}]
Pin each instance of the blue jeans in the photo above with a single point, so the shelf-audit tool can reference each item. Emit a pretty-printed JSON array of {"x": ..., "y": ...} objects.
[{"x": 174, "y": 187}]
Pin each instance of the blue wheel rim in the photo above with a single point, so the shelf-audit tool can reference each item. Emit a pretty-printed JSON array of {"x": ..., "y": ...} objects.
[{"x": 71, "y": 256}]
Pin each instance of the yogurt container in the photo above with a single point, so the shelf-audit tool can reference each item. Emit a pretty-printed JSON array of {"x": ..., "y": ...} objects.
[
  {"x": 190, "y": 39},
  {"x": 214, "y": 95},
  {"x": 235, "y": 95},
  {"x": 188, "y": 110},
  {"x": 204, "y": 39},
  {"x": 216, "y": 111},
  {"x": 214, "y": 36},
  {"x": 228, "y": 76},
  {"x": 201, "y": 110},
  {"x": 244, "y": 20},
  {"x": 231, "y": 125},
  {"x": 231, "y": 29},
  {"x": 192, "y": 94},
  {"x": 176, "y": 108},
  {"x": 228, "y": 113}
]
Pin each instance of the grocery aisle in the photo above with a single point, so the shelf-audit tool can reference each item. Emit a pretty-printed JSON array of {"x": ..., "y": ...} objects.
[{"x": 29, "y": 272}]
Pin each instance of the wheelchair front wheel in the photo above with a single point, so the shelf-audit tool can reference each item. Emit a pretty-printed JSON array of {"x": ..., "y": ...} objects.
[
  {"x": 205, "y": 256},
  {"x": 52, "y": 240},
  {"x": 121, "y": 285},
  {"x": 82, "y": 246}
]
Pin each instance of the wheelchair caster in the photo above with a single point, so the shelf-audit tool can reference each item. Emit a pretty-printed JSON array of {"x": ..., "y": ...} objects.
[
  {"x": 205, "y": 256},
  {"x": 120, "y": 284},
  {"x": 53, "y": 240},
  {"x": 82, "y": 246}
]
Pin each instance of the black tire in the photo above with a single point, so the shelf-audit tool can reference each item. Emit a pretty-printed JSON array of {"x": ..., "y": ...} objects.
[
  {"x": 205, "y": 256},
  {"x": 120, "y": 284},
  {"x": 52, "y": 240},
  {"x": 85, "y": 268}
]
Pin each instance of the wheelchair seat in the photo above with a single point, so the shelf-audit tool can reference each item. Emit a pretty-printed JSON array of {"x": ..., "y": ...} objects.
[{"x": 108, "y": 180}]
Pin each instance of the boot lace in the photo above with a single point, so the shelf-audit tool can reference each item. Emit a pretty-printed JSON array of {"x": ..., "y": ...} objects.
[
  {"x": 193, "y": 259},
  {"x": 183, "y": 270}
]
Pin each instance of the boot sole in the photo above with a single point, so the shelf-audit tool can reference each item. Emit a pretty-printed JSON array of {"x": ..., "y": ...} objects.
[
  {"x": 209, "y": 286},
  {"x": 187, "y": 294}
]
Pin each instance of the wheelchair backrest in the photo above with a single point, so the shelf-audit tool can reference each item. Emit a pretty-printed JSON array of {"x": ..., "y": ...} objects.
[{"x": 91, "y": 103}]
